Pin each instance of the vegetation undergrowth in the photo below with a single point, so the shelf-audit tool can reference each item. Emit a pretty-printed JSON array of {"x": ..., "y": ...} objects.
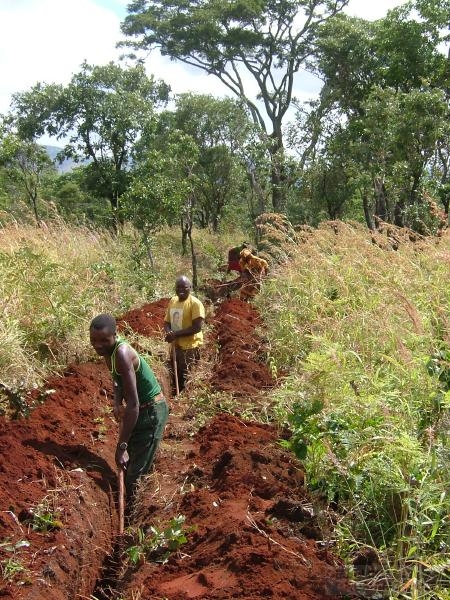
[
  {"x": 55, "y": 278},
  {"x": 158, "y": 542},
  {"x": 364, "y": 332}
]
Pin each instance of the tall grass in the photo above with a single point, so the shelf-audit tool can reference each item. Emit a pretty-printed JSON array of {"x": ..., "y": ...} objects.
[
  {"x": 364, "y": 332},
  {"x": 55, "y": 278}
]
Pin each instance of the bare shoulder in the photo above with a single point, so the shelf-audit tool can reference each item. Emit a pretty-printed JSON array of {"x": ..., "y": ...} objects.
[{"x": 126, "y": 357}]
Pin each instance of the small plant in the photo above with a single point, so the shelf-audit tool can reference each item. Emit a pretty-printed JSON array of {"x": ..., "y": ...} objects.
[
  {"x": 45, "y": 518},
  {"x": 12, "y": 566},
  {"x": 159, "y": 543},
  {"x": 45, "y": 521},
  {"x": 102, "y": 428}
]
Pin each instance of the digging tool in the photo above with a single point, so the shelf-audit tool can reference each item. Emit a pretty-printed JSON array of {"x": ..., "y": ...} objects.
[
  {"x": 121, "y": 477},
  {"x": 175, "y": 370},
  {"x": 121, "y": 501}
]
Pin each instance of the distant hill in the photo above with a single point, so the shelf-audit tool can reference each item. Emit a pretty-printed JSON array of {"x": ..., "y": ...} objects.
[{"x": 67, "y": 165}]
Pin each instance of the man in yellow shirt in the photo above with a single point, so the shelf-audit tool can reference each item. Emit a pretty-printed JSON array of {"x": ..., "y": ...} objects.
[{"x": 183, "y": 324}]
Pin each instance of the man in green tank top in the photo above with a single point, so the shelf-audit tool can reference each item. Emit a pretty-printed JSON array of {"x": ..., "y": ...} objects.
[{"x": 138, "y": 401}]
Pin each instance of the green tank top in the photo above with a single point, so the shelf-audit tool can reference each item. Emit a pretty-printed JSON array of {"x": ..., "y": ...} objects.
[{"x": 146, "y": 383}]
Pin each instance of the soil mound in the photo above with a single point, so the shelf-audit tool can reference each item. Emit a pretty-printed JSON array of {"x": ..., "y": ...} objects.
[
  {"x": 242, "y": 368},
  {"x": 254, "y": 533},
  {"x": 147, "y": 320},
  {"x": 58, "y": 464}
]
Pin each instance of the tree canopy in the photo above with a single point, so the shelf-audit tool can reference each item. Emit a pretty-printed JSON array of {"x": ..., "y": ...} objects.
[
  {"x": 270, "y": 41},
  {"x": 100, "y": 115}
]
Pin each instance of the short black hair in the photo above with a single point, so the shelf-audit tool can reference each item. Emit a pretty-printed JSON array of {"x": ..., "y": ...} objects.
[
  {"x": 103, "y": 321},
  {"x": 183, "y": 280}
]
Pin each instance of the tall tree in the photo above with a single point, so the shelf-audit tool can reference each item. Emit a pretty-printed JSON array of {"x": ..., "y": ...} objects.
[
  {"x": 384, "y": 97},
  {"x": 263, "y": 41},
  {"x": 162, "y": 191},
  {"x": 221, "y": 129},
  {"x": 100, "y": 115},
  {"x": 25, "y": 165}
]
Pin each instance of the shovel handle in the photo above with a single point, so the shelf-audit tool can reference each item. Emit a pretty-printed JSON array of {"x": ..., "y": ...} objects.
[
  {"x": 121, "y": 501},
  {"x": 175, "y": 369}
]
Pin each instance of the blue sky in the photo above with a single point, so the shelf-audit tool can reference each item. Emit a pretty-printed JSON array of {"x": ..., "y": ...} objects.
[{"x": 47, "y": 40}]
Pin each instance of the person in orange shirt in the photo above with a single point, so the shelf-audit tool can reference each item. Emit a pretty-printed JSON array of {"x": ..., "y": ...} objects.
[{"x": 253, "y": 270}]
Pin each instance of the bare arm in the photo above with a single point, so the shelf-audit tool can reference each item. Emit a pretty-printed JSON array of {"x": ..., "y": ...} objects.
[
  {"x": 117, "y": 402},
  {"x": 125, "y": 367}
]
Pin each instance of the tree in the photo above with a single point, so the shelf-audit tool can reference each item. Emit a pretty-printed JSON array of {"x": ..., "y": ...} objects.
[
  {"x": 266, "y": 40},
  {"x": 162, "y": 191},
  {"x": 25, "y": 164},
  {"x": 100, "y": 115},
  {"x": 220, "y": 129},
  {"x": 384, "y": 155},
  {"x": 382, "y": 115},
  {"x": 73, "y": 199}
]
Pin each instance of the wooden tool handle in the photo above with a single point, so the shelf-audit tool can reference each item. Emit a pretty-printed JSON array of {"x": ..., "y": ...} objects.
[
  {"x": 121, "y": 502},
  {"x": 175, "y": 369}
]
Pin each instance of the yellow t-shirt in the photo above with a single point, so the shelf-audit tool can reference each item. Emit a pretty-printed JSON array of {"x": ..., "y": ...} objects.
[{"x": 180, "y": 316}]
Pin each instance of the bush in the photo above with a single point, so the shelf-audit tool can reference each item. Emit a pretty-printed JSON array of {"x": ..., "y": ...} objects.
[{"x": 364, "y": 333}]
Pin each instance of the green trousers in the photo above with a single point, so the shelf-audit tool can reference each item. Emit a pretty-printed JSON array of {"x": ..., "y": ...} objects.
[{"x": 144, "y": 442}]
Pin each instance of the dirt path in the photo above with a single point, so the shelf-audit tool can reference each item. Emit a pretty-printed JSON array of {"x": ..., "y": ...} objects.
[{"x": 250, "y": 528}]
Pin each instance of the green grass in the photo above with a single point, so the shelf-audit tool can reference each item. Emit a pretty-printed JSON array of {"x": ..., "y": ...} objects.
[
  {"x": 54, "y": 279},
  {"x": 364, "y": 332}
]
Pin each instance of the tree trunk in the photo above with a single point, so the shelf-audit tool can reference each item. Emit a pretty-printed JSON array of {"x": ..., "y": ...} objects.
[
  {"x": 381, "y": 201},
  {"x": 399, "y": 219},
  {"x": 259, "y": 193},
  {"x": 33, "y": 198},
  {"x": 414, "y": 193},
  {"x": 194, "y": 262},
  {"x": 367, "y": 212},
  {"x": 184, "y": 237},
  {"x": 278, "y": 172},
  {"x": 186, "y": 222}
]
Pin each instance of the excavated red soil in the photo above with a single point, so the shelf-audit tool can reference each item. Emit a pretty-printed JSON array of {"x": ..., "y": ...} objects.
[
  {"x": 255, "y": 535},
  {"x": 254, "y": 532},
  {"x": 61, "y": 458},
  {"x": 147, "y": 320},
  {"x": 242, "y": 367}
]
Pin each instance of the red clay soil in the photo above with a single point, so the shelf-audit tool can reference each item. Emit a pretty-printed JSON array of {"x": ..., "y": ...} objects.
[
  {"x": 242, "y": 368},
  {"x": 255, "y": 534},
  {"x": 59, "y": 458},
  {"x": 147, "y": 320}
]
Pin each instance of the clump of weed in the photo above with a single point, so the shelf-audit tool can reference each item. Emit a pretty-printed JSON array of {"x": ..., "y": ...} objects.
[
  {"x": 364, "y": 333},
  {"x": 12, "y": 567},
  {"x": 157, "y": 543}
]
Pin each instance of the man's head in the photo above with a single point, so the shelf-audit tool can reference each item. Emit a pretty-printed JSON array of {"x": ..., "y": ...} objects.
[
  {"x": 245, "y": 254},
  {"x": 102, "y": 331},
  {"x": 182, "y": 287}
]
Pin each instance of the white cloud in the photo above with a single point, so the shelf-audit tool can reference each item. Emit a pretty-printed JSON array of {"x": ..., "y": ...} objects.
[
  {"x": 46, "y": 40},
  {"x": 371, "y": 9}
]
